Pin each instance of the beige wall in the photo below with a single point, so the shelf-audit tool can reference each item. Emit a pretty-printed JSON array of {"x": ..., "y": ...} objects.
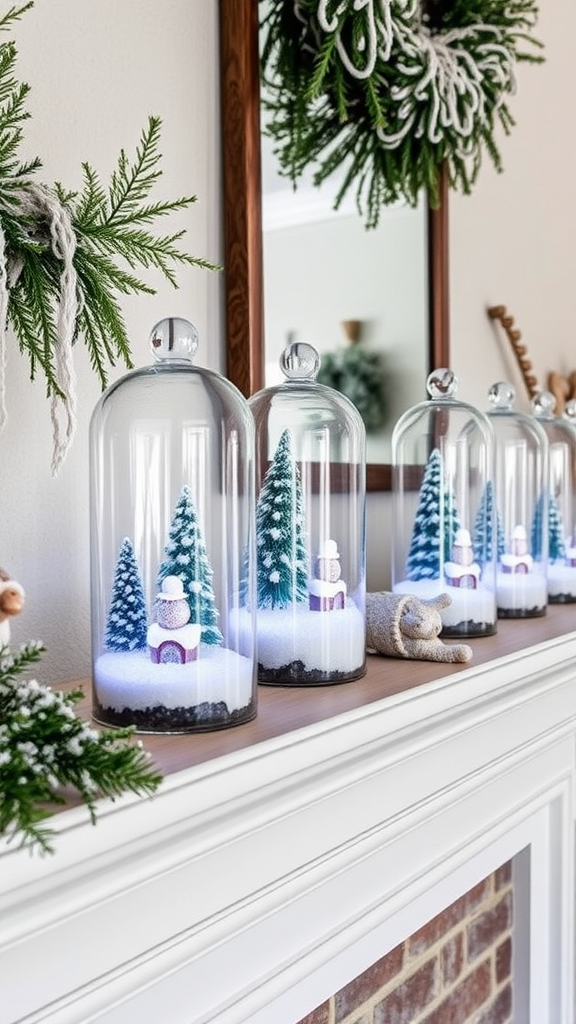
[{"x": 96, "y": 72}]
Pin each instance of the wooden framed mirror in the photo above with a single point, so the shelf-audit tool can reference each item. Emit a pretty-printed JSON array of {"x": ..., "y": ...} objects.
[{"x": 244, "y": 317}]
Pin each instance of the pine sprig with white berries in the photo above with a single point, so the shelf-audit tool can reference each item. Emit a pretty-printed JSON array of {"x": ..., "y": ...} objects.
[{"x": 46, "y": 748}]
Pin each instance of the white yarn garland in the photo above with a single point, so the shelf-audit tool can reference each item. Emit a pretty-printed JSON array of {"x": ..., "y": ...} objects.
[
  {"x": 390, "y": 93},
  {"x": 39, "y": 202}
]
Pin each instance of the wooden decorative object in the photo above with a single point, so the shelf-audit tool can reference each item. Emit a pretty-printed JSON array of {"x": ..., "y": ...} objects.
[{"x": 514, "y": 337}]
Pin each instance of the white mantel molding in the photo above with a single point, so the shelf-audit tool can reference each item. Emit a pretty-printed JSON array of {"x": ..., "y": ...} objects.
[{"x": 254, "y": 885}]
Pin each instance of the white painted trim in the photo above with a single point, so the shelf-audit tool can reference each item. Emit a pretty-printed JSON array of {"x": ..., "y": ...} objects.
[{"x": 253, "y": 886}]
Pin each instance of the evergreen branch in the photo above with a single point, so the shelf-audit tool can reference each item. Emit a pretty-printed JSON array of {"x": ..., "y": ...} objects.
[{"x": 45, "y": 747}]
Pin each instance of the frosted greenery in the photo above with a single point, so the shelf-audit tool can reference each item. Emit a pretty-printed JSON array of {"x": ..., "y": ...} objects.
[
  {"x": 47, "y": 750},
  {"x": 435, "y": 524},
  {"x": 389, "y": 93},
  {"x": 281, "y": 556},
  {"x": 185, "y": 556}
]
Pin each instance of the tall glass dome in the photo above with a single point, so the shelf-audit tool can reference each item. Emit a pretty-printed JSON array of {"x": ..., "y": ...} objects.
[
  {"x": 310, "y": 528},
  {"x": 561, "y": 433},
  {"x": 443, "y": 512},
  {"x": 521, "y": 507},
  {"x": 172, "y": 545}
]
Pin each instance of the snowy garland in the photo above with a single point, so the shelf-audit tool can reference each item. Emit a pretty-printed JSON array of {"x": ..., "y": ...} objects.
[{"x": 388, "y": 92}]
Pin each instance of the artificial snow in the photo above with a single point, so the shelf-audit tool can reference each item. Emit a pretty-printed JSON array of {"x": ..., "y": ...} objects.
[
  {"x": 324, "y": 641},
  {"x": 521, "y": 591},
  {"x": 561, "y": 581},
  {"x": 131, "y": 680},
  {"x": 467, "y": 604}
]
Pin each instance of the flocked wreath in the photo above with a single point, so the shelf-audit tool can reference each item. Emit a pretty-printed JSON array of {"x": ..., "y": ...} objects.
[{"x": 390, "y": 91}]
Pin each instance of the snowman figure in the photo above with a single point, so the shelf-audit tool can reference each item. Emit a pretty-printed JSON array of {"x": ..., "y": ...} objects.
[
  {"x": 517, "y": 559},
  {"x": 327, "y": 590},
  {"x": 462, "y": 570},
  {"x": 172, "y": 638}
]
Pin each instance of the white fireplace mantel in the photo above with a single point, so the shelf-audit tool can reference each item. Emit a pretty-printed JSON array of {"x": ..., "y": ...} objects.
[{"x": 256, "y": 884}]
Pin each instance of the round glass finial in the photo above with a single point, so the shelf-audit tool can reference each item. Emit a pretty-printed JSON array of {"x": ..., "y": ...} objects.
[
  {"x": 502, "y": 395},
  {"x": 174, "y": 339},
  {"x": 442, "y": 383},
  {"x": 543, "y": 405},
  {"x": 570, "y": 411},
  {"x": 300, "y": 361}
]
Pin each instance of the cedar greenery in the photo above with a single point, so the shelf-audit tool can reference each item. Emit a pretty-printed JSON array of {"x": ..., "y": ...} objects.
[
  {"x": 388, "y": 93},
  {"x": 112, "y": 230},
  {"x": 45, "y": 748}
]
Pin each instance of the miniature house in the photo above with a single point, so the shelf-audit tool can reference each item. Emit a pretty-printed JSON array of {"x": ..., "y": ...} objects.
[{"x": 462, "y": 570}]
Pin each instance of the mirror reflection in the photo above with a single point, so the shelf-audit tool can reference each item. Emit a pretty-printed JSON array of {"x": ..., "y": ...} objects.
[{"x": 360, "y": 296}]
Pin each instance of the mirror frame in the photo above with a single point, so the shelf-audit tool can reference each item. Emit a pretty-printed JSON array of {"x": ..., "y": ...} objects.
[{"x": 242, "y": 219}]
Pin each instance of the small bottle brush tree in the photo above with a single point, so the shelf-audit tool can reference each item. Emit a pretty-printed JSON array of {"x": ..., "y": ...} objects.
[
  {"x": 556, "y": 545},
  {"x": 486, "y": 517},
  {"x": 186, "y": 557},
  {"x": 281, "y": 556},
  {"x": 435, "y": 524},
  {"x": 126, "y": 624}
]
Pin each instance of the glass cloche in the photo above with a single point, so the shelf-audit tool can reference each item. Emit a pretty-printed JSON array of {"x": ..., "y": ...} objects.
[
  {"x": 443, "y": 511},
  {"x": 310, "y": 528},
  {"x": 561, "y": 433},
  {"x": 172, "y": 545},
  {"x": 521, "y": 507}
]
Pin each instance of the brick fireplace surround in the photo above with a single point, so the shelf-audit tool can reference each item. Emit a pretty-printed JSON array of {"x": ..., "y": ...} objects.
[
  {"x": 397, "y": 850},
  {"x": 456, "y": 969}
]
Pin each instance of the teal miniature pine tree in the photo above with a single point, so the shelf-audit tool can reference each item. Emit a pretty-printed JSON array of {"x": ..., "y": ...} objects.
[
  {"x": 126, "y": 624},
  {"x": 435, "y": 524},
  {"x": 186, "y": 557},
  {"x": 281, "y": 558},
  {"x": 536, "y": 529},
  {"x": 486, "y": 518},
  {"x": 556, "y": 546}
]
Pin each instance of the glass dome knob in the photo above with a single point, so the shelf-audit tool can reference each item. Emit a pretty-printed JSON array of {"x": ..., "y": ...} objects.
[
  {"x": 442, "y": 383},
  {"x": 174, "y": 339},
  {"x": 543, "y": 404},
  {"x": 502, "y": 395},
  {"x": 300, "y": 361},
  {"x": 570, "y": 411}
]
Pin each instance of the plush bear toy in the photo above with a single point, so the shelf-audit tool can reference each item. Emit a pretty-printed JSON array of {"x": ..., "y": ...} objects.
[
  {"x": 405, "y": 626},
  {"x": 11, "y": 603}
]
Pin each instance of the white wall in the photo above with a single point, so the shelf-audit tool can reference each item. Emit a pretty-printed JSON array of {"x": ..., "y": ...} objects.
[
  {"x": 96, "y": 72},
  {"x": 513, "y": 241}
]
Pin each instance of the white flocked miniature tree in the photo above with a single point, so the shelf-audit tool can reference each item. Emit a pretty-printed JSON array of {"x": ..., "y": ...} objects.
[
  {"x": 186, "y": 557},
  {"x": 281, "y": 556},
  {"x": 126, "y": 624},
  {"x": 435, "y": 524}
]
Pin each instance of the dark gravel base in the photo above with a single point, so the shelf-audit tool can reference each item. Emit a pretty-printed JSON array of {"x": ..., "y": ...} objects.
[
  {"x": 201, "y": 718},
  {"x": 469, "y": 628},
  {"x": 521, "y": 613},
  {"x": 562, "y": 599},
  {"x": 295, "y": 674}
]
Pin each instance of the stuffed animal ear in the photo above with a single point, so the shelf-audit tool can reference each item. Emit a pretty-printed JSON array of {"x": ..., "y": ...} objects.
[{"x": 442, "y": 601}]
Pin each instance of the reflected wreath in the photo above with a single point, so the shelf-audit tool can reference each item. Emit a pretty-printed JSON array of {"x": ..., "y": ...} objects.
[{"x": 390, "y": 91}]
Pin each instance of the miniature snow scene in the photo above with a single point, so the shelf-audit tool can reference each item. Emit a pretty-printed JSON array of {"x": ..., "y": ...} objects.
[
  {"x": 174, "y": 674},
  {"x": 522, "y": 516},
  {"x": 561, "y": 434},
  {"x": 441, "y": 559},
  {"x": 173, "y": 545},
  {"x": 310, "y": 571}
]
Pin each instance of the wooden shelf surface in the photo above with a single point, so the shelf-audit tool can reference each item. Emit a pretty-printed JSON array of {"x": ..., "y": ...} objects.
[{"x": 284, "y": 709}]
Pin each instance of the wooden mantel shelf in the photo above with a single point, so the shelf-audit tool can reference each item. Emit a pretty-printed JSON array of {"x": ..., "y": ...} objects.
[
  {"x": 282, "y": 710},
  {"x": 279, "y": 859}
]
